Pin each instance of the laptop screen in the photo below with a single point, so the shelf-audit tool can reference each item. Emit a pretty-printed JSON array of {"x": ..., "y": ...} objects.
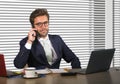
[{"x": 100, "y": 60}]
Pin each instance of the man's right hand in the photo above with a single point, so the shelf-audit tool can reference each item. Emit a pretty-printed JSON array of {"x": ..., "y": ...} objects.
[{"x": 31, "y": 35}]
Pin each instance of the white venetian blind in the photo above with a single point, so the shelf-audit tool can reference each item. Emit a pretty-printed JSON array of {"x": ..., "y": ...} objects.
[
  {"x": 81, "y": 24},
  {"x": 116, "y": 25}
]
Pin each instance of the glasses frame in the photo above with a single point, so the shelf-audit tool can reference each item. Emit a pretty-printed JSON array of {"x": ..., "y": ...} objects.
[{"x": 40, "y": 24}]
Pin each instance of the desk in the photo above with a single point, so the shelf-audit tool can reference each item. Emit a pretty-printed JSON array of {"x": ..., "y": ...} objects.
[{"x": 110, "y": 77}]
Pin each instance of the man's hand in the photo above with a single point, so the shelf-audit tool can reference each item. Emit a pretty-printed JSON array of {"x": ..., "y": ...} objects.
[{"x": 31, "y": 35}]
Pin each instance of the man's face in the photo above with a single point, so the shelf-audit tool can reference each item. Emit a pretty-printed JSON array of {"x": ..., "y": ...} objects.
[{"x": 41, "y": 23}]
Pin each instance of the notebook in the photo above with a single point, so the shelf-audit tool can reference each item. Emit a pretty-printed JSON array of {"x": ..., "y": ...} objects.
[
  {"x": 100, "y": 60},
  {"x": 3, "y": 71}
]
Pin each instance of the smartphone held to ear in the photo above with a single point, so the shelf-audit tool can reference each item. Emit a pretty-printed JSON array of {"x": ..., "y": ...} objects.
[{"x": 37, "y": 33}]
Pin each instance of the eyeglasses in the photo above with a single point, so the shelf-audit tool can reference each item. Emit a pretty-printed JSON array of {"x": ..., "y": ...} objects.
[{"x": 40, "y": 24}]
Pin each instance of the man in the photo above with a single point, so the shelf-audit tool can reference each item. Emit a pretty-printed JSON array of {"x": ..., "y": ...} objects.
[{"x": 41, "y": 50}]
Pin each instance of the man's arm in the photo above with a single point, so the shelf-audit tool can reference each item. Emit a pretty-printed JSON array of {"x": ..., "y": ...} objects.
[
  {"x": 69, "y": 56},
  {"x": 21, "y": 59}
]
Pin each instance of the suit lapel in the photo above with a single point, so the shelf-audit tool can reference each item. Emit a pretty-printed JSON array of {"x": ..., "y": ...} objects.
[
  {"x": 54, "y": 45},
  {"x": 37, "y": 50}
]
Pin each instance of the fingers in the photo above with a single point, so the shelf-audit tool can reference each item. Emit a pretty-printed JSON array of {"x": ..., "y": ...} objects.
[
  {"x": 32, "y": 32},
  {"x": 31, "y": 35}
]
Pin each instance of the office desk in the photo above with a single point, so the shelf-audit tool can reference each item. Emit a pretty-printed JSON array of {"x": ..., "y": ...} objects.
[{"x": 110, "y": 77}]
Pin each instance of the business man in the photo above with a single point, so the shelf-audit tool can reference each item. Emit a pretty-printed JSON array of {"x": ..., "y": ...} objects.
[{"x": 41, "y": 50}]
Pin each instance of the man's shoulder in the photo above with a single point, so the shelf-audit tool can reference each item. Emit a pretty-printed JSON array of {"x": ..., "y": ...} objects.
[{"x": 54, "y": 36}]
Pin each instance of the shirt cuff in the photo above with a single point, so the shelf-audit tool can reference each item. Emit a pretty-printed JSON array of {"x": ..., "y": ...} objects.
[{"x": 28, "y": 46}]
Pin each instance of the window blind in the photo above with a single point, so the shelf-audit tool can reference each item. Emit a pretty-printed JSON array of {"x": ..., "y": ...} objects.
[
  {"x": 81, "y": 24},
  {"x": 116, "y": 25}
]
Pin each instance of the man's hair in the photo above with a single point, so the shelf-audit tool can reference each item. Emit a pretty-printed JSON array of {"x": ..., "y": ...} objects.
[{"x": 36, "y": 13}]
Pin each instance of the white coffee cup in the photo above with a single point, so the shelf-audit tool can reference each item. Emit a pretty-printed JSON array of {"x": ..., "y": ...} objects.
[{"x": 30, "y": 72}]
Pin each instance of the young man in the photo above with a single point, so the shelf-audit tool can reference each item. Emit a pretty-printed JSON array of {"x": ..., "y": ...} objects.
[{"x": 41, "y": 50}]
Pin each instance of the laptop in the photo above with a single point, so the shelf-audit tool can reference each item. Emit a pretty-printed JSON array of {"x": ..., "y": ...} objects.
[
  {"x": 3, "y": 71},
  {"x": 100, "y": 60}
]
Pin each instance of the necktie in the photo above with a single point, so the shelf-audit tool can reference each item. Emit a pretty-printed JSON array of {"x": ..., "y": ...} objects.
[{"x": 48, "y": 51}]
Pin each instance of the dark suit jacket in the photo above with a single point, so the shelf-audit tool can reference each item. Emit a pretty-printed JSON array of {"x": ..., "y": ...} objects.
[{"x": 36, "y": 56}]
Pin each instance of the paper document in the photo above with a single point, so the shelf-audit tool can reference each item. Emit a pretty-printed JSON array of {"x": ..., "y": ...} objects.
[{"x": 47, "y": 71}]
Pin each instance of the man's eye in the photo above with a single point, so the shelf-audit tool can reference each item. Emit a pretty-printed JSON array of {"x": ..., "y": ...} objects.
[{"x": 39, "y": 23}]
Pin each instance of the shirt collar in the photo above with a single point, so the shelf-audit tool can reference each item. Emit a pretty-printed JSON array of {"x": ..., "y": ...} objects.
[{"x": 46, "y": 38}]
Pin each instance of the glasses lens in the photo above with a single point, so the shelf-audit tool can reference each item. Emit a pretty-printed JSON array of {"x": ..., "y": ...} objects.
[{"x": 40, "y": 24}]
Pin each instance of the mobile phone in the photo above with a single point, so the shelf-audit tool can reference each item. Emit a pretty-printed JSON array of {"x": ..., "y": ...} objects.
[{"x": 37, "y": 33}]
